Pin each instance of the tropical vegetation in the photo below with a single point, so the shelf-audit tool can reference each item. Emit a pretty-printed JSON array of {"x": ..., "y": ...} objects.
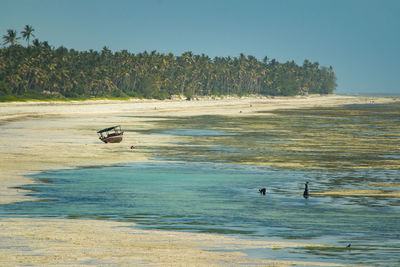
[{"x": 42, "y": 71}]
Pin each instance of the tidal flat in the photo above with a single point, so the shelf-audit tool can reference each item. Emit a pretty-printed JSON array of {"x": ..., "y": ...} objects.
[
  {"x": 348, "y": 137},
  {"x": 349, "y": 154}
]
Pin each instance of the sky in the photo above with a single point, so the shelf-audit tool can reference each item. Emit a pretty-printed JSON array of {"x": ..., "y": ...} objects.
[{"x": 360, "y": 39}]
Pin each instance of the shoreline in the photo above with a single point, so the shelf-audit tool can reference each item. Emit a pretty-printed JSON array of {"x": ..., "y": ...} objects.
[
  {"x": 39, "y": 155},
  {"x": 44, "y": 137}
]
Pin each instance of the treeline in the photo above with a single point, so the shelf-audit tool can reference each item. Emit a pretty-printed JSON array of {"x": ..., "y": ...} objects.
[{"x": 39, "y": 70}]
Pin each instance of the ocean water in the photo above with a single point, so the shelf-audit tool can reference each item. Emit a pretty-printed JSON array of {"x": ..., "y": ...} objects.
[{"x": 208, "y": 181}]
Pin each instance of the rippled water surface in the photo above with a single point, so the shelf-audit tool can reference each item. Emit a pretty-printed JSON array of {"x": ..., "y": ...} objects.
[{"x": 208, "y": 181}]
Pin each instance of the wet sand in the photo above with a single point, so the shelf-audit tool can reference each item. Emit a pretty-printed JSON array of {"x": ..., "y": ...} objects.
[
  {"x": 360, "y": 193},
  {"x": 38, "y": 136}
]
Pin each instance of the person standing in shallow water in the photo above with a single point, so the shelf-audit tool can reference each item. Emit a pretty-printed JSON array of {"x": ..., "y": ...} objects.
[{"x": 306, "y": 194}]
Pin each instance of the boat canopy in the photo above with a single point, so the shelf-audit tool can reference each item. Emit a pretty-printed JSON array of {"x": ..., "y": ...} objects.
[{"x": 118, "y": 127}]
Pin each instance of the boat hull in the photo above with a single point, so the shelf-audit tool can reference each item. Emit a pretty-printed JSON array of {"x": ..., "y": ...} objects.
[{"x": 112, "y": 139}]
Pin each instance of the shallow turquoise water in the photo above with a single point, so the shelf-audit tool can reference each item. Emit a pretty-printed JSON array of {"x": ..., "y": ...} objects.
[
  {"x": 224, "y": 199},
  {"x": 200, "y": 183}
]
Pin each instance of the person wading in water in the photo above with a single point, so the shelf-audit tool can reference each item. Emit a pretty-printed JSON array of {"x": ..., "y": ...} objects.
[{"x": 306, "y": 194}]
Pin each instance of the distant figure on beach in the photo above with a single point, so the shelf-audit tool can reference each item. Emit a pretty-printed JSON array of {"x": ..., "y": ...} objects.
[
  {"x": 262, "y": 191},
  {"x": 306, "y": 194}
]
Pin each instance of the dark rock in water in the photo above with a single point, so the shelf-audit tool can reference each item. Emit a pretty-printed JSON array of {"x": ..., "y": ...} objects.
[{"x": 262, "y": 191}]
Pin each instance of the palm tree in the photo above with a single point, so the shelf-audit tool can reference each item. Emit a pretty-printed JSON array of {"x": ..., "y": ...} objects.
[
  {"x": 10, "y": 37},
  {"x": 27, "y": 33},
  {"x": 36, "y": 42}
]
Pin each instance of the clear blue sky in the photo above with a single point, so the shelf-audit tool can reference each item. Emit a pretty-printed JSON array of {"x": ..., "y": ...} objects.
[{"x": 359, "y": 38}]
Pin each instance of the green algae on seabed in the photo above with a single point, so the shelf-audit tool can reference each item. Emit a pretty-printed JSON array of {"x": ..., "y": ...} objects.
[
  {"x": 333, "y": 250},
  {"x": 354, "y": 136},
  {"x": 341, "y": 149}
]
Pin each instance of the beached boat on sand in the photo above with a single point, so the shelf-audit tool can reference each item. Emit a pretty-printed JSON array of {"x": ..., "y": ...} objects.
[{"x": 111, "y": 134}]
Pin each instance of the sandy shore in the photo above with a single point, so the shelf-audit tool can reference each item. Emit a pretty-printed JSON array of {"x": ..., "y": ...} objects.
[{"x": 41, "y": 136}]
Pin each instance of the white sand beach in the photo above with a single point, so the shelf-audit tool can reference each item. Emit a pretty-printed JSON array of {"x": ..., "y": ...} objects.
[{"x": 39, "y": 136}]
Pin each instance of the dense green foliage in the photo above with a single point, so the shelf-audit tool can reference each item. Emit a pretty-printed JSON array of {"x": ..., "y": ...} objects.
[{"x": 40, "y": 71}]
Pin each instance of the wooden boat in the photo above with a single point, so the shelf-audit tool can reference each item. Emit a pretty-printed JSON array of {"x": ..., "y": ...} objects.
[{"x": 111, "y": 134}]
